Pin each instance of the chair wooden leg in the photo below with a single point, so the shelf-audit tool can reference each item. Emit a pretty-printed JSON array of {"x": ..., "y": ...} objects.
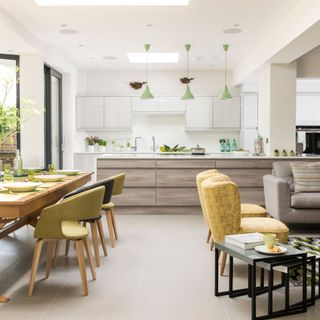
[
  {"x": 110, "y": 227},
  {"x": 211, "y": 245},
  {"x": 56, "y": 253},
  {"x": 102, "y": 237},
  {"x": 49, "y": 257},
  {"x": 66, "y": 250},
  {"x": 94, "y": 234},
  {"x": 114, "y": 224},
  {"x": 82, "y": 266},
  {"x": 35, "y": 264},
  {"x": 87, "y": 247},
  {"x": 223, "y": 263},
  {"x": 209, "y": 236}
]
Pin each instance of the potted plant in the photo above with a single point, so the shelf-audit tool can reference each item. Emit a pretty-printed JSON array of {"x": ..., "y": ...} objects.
[
  {"x": 90, "y": 142},
  {"x": 102, "y": 145}
]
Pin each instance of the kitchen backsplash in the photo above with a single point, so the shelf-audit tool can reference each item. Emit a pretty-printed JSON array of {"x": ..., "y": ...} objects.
[{"x": 166, "y": 129}]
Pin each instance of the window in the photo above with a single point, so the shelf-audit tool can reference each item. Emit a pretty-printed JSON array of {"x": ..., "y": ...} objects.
[
  {"x": 9, "y": 96},
  {"x": 53, "y": 117}
]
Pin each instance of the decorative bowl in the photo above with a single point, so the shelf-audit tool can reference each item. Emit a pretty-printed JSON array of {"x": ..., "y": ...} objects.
[{"x": 49, "y": 177}]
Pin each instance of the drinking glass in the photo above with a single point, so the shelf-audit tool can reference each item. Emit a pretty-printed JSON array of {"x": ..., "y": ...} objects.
[
  {"x": 31, "y": 174},
  {"x": 51, "y": 168},
  {"x": 7, "y": 174}
]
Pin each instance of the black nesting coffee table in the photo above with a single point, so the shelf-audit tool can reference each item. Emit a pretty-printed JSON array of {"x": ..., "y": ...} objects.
[{"x": 261, "y": 262}]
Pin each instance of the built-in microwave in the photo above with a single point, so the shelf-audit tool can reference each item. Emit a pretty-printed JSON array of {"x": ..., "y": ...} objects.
[{"x": 308, "y": 139}]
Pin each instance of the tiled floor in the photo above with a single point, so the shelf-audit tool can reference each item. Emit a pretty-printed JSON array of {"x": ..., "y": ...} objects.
[{"x": 161, "y": 268}]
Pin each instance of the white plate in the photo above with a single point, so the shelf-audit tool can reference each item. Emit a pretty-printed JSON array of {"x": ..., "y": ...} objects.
[
  {"x": 241, "y": 153},
  {"x": 68, "y": 172},
  {"x": 263, "y": 249},
  {"x": 21, "y": 186},
  {"x": 49, "y": 177}
]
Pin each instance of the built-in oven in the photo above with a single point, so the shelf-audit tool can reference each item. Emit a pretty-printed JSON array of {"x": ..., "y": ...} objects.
[{"x": 308, "y": 140}]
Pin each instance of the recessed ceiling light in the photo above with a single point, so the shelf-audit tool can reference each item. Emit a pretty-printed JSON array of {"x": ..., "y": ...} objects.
[
  {"x": 80, "y": 45},
  {"x": 198, "y": 58},
  {"x": 109, "y": 58},
  {"x": 149, "y": 25},
  {"x": 63, "y": 25},
  {"x": 210, "y": 65},
  {"x": 215, "y": 57},
  {"x": 112, "y": 2},
  {"x": 69, "y": 31},
  {"x": 232, "y": 30},
  {"x": 153, "y": 57},
  {"x": 10, "y": 50},
  {"x": 236, "y": 25},
  {"x": 91, "y": 57}
]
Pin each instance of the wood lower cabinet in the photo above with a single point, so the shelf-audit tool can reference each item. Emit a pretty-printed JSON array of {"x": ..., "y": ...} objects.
[{"x": 169, "y": 185}]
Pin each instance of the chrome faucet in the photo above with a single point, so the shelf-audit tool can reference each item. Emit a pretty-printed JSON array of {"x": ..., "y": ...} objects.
[
  {"x": 153, "y": 144},
  {"x": 135, "y": 148}
]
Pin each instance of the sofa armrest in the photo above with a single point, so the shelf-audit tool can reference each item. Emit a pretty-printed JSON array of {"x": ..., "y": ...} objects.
[{"x": 277, "y": 196}]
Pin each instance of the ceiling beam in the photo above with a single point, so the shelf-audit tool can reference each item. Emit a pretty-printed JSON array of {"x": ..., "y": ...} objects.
[{"x": 296, "y": 34}]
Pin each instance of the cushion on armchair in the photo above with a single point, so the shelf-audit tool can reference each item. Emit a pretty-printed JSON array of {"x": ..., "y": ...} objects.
[
  {"x": 282, "y": 169},
  {"x": 306, "y": 176},
  {"x": 305, "y": 200}
]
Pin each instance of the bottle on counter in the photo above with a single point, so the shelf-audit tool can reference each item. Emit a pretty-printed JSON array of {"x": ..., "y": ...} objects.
[
  {"x": 276, "y": 153},
  {"x": 222, "y": 145},
  {"x": 292, "y": 154},
  {"x": 284, "y": 153},
  {"x": 17, "y": 164},
  {"x": 228, "y": 146},
  {"x": 234, "y": 146}
]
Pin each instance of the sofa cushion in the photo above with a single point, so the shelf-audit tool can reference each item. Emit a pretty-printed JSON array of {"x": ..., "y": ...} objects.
[
  {"x": 282, "y": 169},
  {"x": 303, "y": 200},
  {"x": 306, "y": 176}
]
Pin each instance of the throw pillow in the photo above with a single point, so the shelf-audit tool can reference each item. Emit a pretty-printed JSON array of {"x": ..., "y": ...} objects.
[{"x": 306, "y": 176}]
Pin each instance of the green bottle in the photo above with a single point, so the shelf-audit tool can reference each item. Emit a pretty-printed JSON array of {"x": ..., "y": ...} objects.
[
  {"x": 17, "y": 164},
  {"x": 234, "y": 145},
  {"x": 228, "y": 147}
]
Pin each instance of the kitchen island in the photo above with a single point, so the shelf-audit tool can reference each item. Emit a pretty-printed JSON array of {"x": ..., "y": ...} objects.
[{"x": 157, "y": 183}]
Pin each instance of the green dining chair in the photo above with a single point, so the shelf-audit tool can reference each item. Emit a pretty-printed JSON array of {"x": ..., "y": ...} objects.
[
  {"x": 108, "y": 208},
  {"x": 60, "y": 222}
]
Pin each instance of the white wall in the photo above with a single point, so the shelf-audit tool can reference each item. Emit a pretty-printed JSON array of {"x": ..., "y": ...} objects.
[
  {"x": 168, "y": 129},
  {"x": 277, "y": 106},
  {"x": 32, "y": 131}
]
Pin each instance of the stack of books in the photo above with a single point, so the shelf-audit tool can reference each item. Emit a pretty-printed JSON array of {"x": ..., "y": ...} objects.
[{"x": 245, "y": 240}]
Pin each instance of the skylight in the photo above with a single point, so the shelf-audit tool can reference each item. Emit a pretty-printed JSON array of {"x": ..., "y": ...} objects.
[
  {"x": 153, "y": 57},
  {"x": 52, "y": 3}
]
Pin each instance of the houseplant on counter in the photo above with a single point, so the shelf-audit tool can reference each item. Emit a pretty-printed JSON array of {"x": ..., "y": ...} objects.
[
  {"x": 102, "y": 145},
  {"x": 90, "y": 142}
]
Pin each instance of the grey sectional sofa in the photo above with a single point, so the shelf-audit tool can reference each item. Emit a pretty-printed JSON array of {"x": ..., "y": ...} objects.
[{"x": 285, "y": 204}]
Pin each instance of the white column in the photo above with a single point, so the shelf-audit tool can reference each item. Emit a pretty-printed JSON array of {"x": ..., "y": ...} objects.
[
  {"x": 32, "y": 131},
  {"x": 277, "y": 107}
]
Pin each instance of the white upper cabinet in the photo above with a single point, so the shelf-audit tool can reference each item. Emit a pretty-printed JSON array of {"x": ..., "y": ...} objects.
[
  {"x": 308, "y": 110},
  {"x": 90, "y": 113},
  {"x": 250, "y": 111},
  {"x": 148, "y": 105},
  {"x": 117, "y": 114},
  {"x": 199, "y": 113},
  {"x": 171, "y": 104},
  {"x": 226, "y": 113}
]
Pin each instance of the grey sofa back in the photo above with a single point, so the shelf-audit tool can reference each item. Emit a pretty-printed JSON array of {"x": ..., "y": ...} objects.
[{"x": 282, "y": 169}]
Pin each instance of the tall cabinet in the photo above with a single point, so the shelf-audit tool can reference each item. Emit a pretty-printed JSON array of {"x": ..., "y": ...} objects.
[{"x": 250, "y": 120}]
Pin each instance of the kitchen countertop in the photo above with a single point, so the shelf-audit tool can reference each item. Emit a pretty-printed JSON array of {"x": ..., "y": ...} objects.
[{"x": 188, "y": 156}]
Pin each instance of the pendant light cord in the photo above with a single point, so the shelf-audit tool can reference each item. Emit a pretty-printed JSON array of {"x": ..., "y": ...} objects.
[
  {"x": 187, "y": 64},
  {"x": 147, "y": 67},
  {"x": 225, "y": 68}
]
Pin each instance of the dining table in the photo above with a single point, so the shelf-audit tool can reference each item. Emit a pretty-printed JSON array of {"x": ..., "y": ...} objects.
[{"x": 18, "y": 209}]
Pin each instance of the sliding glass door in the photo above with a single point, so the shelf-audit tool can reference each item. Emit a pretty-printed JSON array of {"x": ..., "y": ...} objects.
[{"x": 53, "y": 118}]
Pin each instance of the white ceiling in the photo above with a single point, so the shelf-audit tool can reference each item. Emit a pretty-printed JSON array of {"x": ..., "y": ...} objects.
[{"x": 114, "y": 31}]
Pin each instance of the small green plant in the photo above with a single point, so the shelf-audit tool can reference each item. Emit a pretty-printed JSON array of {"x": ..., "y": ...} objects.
[{"x": 102, "y": 143}]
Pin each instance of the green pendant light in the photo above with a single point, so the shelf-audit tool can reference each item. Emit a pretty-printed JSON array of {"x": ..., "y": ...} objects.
[
  {"x": 225, "y": 94},
  {"x": 188, "y": 94},
  {"x": 146, "y": 93}
]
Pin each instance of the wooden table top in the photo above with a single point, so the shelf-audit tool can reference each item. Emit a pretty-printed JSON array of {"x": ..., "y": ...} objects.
[{"x": 18, "y": 204}]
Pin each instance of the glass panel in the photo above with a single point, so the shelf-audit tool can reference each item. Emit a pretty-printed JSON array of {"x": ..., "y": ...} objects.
[
  {"x": 55, "y": 116},
  {"x": 8, "y": 97}
]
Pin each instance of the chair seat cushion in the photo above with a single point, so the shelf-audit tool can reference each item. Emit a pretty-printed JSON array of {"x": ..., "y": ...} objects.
[
  {"x": 73, "y": 230},
  {"x": 265, "y": 225},
  {"x": 107, "y": 206},
  {"x": 303, "y": 200},
  {"x": 92, "y": 219},
  {"x": 249, "y": 210}
]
